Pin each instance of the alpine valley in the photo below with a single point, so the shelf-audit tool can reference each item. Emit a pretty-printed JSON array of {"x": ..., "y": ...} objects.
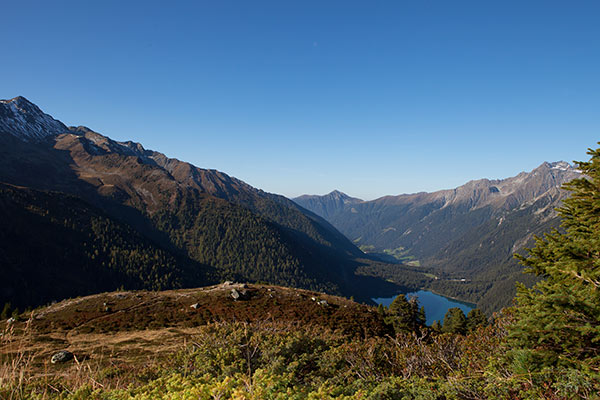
[
  {"x": 83, "y": 214},
  {"x": 463, "y": 238},
  {"x": 176, "y": 282}
]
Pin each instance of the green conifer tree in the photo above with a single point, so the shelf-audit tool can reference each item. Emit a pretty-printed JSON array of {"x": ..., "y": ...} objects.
[
  {"x": 399, "y": 313},
  {"x": 455, "y": 321},
  {"x": 406, "y": 314},
  {"x": 421, "y": 317},
  {"x": 475, "y": 319},
  {"x": 557, "y": 322}
]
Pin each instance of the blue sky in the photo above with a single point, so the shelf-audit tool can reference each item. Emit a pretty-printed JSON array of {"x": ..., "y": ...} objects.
[{"x": 293, "y": 97}]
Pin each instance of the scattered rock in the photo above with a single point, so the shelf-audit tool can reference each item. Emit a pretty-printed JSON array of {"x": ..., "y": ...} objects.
[
  {"x": 313, "y": 298},
  {"x": 61, "y": 356},
  {"x": 195, "y": 306},
  {"x": 227, "y": 283},
  {"x": 244, "y": 286},
  {"x": 11, "y": 320},
  {"x": 239, "y": 295},
  {"x": 323, "y": 303}
]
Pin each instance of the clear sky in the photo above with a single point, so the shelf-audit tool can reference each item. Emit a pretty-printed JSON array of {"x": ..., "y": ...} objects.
[{"x": 293, "y": 97}]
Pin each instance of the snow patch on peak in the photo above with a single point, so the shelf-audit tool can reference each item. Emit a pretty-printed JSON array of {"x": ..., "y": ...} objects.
[
  {"x": 561, "y": 165},
  {"x": 24, "y": 120}
]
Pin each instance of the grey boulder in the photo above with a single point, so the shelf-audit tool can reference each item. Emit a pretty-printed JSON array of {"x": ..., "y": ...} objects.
[{"x": 61, "y": 356}]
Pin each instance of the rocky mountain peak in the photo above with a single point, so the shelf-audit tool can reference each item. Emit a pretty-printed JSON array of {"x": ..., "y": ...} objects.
[
  {"x": 561, "y": 165},
  {"x": 336, "y": 194},
  {"x": 23, "y": 119},
  {"x": 328, "y": 204}
]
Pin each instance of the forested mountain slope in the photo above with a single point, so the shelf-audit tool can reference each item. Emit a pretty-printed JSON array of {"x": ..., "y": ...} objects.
[
  {"x": 202, "y": 215},
  {"x": 53, "y": 245}
]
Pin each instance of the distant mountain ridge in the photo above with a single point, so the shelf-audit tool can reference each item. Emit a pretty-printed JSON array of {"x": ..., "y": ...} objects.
[
  {"x": 327, "y": 205},
  {"x": 384, "y": 221},
  {"x": 469, "y": 232},
  {"x": 203, "y": 216},
  {"x": 204, "y": 226}
]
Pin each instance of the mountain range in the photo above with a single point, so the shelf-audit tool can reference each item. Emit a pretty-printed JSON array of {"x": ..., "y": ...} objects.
[
  {"x": 465, "y": 236},
  {"x": 83, "y": 213}
]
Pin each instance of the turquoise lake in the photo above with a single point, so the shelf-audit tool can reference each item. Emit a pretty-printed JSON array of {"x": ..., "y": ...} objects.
[{"x": 435, "y": 304}]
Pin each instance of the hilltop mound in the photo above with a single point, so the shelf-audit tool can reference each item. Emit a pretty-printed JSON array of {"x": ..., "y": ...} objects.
[{"x": 138, "y": 325}]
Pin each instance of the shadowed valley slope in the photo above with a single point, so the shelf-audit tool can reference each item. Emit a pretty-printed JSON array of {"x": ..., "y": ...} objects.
[{"x": 223, "y": 226}]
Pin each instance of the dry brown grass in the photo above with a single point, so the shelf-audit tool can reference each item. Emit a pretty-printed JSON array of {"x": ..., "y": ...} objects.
[
  {"x": 106, "y": 361},
  {"x": 15, "y": 366},
  {"x": 142, "y": 330}
]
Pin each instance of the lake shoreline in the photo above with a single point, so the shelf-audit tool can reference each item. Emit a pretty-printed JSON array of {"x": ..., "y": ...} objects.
[
  {"x": 436, "y": 305},
  {"x": 450, "y": 297}
]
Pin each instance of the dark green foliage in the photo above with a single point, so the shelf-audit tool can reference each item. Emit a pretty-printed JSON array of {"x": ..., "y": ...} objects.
[
  {"x": 558, "y": 320},
  {"x": 246, "y": 246},
  {"x": 455, "y": 321},
  {"x": 436, "y": 326},
  {"x": 475, "y": 319},
  {"x": 54, "y": 246},
  {"x": 409, "y": 278},
  {"x": 420, "y": 317},
  {"x": 491, "y": 269},
  {"x": 485, "y": 256},
  {"x": 405, "y": 314}
]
